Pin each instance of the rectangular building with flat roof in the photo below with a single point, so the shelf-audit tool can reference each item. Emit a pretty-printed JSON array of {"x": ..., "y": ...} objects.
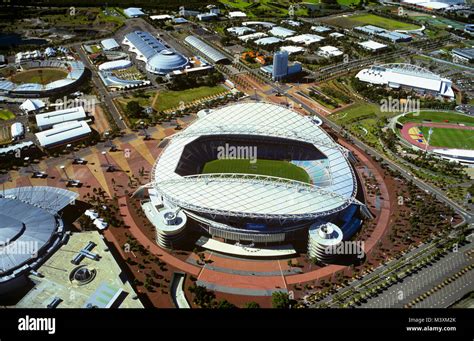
[
  {"x": 63, "y": 133},
  {"x": 49, "y": 119}
]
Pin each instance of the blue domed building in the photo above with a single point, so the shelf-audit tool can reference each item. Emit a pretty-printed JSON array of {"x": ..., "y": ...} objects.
[
  {"x": 159, "y": 58},
  {"x": 166, "y": 61}
]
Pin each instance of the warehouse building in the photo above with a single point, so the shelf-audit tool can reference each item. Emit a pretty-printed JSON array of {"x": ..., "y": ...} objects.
[
  {"x": 49, "y": 119},
  {"x": 63, "y": 133}
]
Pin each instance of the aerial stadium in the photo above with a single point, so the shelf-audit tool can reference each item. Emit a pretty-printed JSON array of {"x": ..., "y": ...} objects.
[
  {"x": 299, "y": 177},
  {"x": 74, "y": 72},
  {"x": 407, "y": 76},
  {"x": 158, "y": 58},
  {"x": 31, "y": 229}
]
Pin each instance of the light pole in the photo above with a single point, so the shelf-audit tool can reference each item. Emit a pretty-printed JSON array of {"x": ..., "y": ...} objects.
[
  {"x": 109, "y": 165},
  {"x": 65, "y": 173}
]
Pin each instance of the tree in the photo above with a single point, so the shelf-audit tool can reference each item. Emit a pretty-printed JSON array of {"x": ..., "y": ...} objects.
[
  {"x": 202, "y": 297},
  {"x": 134, "y": 109},
  {"x": 280, "y": 300},
  {"x": 224, "y": 304},
  {"x": 252, "y": 305}
]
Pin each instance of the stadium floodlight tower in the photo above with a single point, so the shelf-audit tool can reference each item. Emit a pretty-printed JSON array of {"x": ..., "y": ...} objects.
[
  {"x": 109, "y": 167},
  {"x": 69, "y": 181},
  {"x": 75, "y": 159}
]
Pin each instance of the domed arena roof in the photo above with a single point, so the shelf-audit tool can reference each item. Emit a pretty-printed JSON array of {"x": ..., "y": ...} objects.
[
  {"x": 166, "y": 61},
  {"x": 29, "y": 227}
]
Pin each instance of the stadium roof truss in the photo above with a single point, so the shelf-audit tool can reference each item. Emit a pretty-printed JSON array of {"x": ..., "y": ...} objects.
[
  {"x": 285, "y": 185},
  {"x": 256, "y": 195}
]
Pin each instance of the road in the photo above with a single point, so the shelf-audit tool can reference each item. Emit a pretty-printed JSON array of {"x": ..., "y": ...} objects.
[
  {"x": 398, "y": 295},
  {"x": 102, "y": 90}
]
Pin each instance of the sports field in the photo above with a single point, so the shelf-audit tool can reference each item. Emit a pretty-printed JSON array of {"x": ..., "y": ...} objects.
[
  {"x": 438, "y": 117},
  {"x": 6, "y": 114},
  {"x": 281, "y": 169},
  {"x": 450, "y": 138},
  {"x": 370, "y": 19},
  {"x": 40, "y": 76}
]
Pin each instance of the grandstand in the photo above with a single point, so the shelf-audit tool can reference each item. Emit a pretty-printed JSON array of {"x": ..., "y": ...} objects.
[
  {"x": 75, "y": 73},
  {"x": 31, "y": 229},
  {"x": 263, "y": 205}
]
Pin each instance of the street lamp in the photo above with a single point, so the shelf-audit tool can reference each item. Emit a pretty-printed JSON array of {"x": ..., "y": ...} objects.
[{"x": 110, "y": 168}]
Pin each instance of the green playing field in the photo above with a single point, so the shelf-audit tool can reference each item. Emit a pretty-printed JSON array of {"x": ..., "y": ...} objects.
[
  {"x": 450, "y": 138},
  {"x": 281, "y": 169}
]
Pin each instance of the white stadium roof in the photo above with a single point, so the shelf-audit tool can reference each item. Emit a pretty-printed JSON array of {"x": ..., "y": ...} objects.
[
  {"x": 256, "y": 195},
  {"x": 396, "y": 75}
]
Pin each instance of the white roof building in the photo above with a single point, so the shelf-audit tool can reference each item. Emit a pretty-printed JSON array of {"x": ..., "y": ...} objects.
[
  {"x": 17, "y": 130},
  {"x": 372, "y": 45},
  {"x": 49, "y": 119},
  {"x": 336, "y": 35},
  {"x": 306, "y": 39},
  {"x": 409, "y": 76},
  {"x": 109, "y": 44},
  {"x": 63, "y": 133},
  {"x": 240, "y": 30},
  {"x": 329, "y": 51},
  {"x": 281, "y": 32},
  {"x": 292, "y": 49},
  {"x": 161, "y": 17},
  {"x": 268, "y": 41},
  {"x": 320, "y": 29},
  {"x": 115, "y": 65},
  {"x": 133, "y": 12},
  {"x": 237, "y": 14},
  {"x": 32, "y": 105},
  {"x": 253, "y": 36}
]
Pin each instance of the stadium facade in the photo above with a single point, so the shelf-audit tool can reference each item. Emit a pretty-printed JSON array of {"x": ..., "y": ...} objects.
[
  {"x": 76, "y": 72},
  {"x": 158, "y": 58},
  {"x": 253, "y": 208},
  {"x": 407, "y": 76},
  {"x": 31, "y": 229}
]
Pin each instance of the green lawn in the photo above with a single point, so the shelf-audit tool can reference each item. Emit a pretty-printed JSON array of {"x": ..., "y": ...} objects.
[
  {"x": 171, "y": 99},
  {"x": 389, "y": 24},
  {"x": 41, "y": 76},
  {"x": 450, "y": 138},
  {"x": 439, "y": 117},
  {"x": 6, "y": 114},
  {"x": 282, "y": 169}
]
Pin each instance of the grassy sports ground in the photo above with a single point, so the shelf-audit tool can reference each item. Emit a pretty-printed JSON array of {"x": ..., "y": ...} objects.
[
  {"x": 450, "y": 138},
  {"x": 438, "y": 117},
  {"x": 370, "y": 19},
  {"x": 6, "y": 114},
  {"x": 282, "y": 169},
  {"x": 164, "y": 100},
  {"x": 40, "y": 76},
  {"x": 171, "y": 99}
]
